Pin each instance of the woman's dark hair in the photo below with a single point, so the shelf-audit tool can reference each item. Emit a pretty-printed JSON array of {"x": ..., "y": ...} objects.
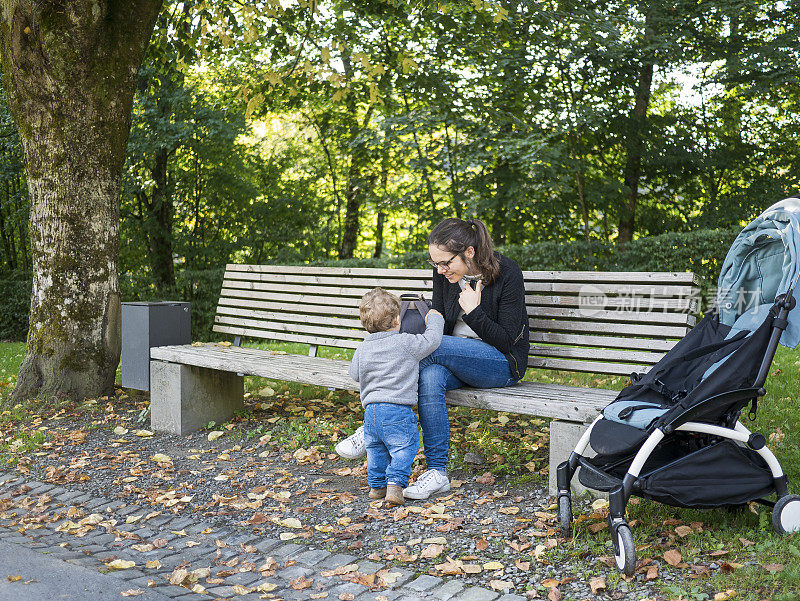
[{"x": 456, "y": 235}]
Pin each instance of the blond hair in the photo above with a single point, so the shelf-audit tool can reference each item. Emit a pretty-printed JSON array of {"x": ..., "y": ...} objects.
[{"x": 378, "y": 310}]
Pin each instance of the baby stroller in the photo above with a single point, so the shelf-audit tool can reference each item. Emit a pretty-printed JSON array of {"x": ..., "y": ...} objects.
[{"x": 673, "y": 434}]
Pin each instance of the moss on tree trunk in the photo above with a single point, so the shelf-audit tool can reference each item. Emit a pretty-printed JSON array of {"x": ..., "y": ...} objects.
[{"x": 70, "y": 70}]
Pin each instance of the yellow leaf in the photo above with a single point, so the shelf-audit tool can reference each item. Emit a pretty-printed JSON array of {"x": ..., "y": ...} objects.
[
  {"x": 291, "y": 523},
  {"x": 143, "y": 433},
  {"x": 266, "y": 587},
  {"x": 215, "y": 434},
  {"x": 287, "y": 535},
  {"x": 119, "y": 430},
  {"x": 600, "y": 504},
  {"x": 121, "y": 564},
  {"x": 493, "y": 565},
  {"x": 434, "y": 540},
  {"x": 725, "y": 595},
  {"x": 153, "y": 564},
  {"x": 502, "y": 420}
]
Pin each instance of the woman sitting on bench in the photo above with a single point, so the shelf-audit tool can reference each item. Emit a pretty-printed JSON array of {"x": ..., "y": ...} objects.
[{"x": 482, "y": 297}]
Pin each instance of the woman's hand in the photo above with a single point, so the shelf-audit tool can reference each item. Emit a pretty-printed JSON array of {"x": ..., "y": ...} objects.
[{"x": 470, "y": 297}]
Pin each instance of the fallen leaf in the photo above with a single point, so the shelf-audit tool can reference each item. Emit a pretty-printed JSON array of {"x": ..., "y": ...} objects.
[
  {"x": 16, "y": 578},
  {"x": 215, "y": 434},
  {"x": 487, "y": 478},
  {"x": 493, "y": 565},
  {"x": 120, "y": 564},
  {"x": 346, "y": 597},
  {"x": 153, "y": 564},
  {"x": 774, "y": 567},
  {"x": 554, "y": 594},
  {"x": 291, "y": 523},
  {"x": 119, "y": 431},
  {"x": 143, "y": 433},
  {"x": 683, "y": 531},
  {"x": 500, "y": 585},
  {"x": 161, "y": 458},
  {"x": 241, "y": 590},
  {"x": 132, "y": 592},
  {"x": 178, "y": 576},
  {"x": 481, "y": 544},
  {"x": 523, "y": 565},
  {"x": 725, "y": 595},
  {"x": 652, "y": 572},
  {"x": 266, "y": 587},
  {"x": 471, "y": 568},
  {"x": 597, "y": 584},
  {"x": 431, "y": 551},
  {"x": 672, "y": 557},
  {"x": 301, "y": 583}
]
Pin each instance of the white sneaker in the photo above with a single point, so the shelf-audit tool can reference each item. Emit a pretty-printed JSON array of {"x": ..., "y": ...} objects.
[
  {"x": 353, "y": 446},
  {"x": 429, "y": 483}
]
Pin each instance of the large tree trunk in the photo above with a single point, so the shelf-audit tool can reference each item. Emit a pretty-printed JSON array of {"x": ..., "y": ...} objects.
[{"x": 70, "y": 71}]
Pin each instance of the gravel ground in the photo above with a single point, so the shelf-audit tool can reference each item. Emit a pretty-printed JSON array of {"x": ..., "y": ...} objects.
[{"x": 507, "y": 535}]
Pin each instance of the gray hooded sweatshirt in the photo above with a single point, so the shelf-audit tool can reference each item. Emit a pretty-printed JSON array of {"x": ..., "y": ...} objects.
[{"x": 386, "y": 364}]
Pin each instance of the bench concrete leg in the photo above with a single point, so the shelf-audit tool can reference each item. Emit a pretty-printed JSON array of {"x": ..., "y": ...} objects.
[
  {"x": 184, "y": 398},
  {"x": 564, "y": 438}
]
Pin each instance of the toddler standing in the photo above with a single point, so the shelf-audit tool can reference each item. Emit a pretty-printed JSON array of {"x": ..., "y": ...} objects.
[{"x": 386, "y": 365}]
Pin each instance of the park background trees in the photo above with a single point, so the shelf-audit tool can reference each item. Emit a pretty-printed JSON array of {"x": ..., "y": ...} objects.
[{"x": 302, "y": 131}]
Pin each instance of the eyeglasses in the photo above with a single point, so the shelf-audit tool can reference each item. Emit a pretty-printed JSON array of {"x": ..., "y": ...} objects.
[{"x": 442, "y": 264}]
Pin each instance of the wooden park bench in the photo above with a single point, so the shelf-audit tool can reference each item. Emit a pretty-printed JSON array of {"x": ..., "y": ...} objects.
[{"x": 596, "y": 322}]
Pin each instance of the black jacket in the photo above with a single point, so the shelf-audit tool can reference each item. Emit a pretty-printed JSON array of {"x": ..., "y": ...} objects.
[{"x": 500, "y": 320}]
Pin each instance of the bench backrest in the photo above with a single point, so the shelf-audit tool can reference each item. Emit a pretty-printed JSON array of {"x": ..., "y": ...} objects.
[{"x": 597, "y": 322}]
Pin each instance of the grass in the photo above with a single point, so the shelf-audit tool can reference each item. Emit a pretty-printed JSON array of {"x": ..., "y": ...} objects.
[{"x": 293, "y": 416}]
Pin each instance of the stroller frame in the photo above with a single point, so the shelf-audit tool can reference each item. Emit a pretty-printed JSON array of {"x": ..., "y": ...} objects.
[{"x": 786, "y": 509}]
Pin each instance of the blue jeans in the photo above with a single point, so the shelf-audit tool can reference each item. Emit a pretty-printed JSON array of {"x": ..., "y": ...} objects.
[
  {"x": 457, "y": 362},
  {"x": 392, "y": 440}
]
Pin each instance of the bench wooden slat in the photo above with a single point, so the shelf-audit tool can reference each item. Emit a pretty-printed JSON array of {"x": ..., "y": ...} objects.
[
  {"x": 632, "y": 329},
  {"x": 634, "y": 305},
  {"x": 321, "y": 280},
  {"x": 645, "y": 344},
  {"x": 627, "y": 289},
  {"x": 599, "y": 354},
  {"x": 592, "y": 367},
  {"x": 270, "y": 288},
  {"x": 665, "y": 277},
  {"x": 290, "y": 327},
  {"x": 286, "y": 337},
  {"x": 602, "y": 315},
  {"x": 272, "y": 316}
]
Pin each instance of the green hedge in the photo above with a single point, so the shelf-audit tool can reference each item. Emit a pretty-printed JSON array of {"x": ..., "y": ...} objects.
[{"x": 701, "y": 251}]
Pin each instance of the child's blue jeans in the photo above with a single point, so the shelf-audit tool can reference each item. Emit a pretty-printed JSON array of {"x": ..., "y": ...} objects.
[{"x": 392, "y": 441}]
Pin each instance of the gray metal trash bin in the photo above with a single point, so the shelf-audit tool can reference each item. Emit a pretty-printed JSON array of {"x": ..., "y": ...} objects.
[{"x": 149, "y": 324}]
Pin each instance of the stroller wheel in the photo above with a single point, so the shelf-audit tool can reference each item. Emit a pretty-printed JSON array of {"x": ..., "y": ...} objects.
[
  {"x": 565, "y": 515},
  {"x": 625, "y": 551},
  {"x": 786, "y": 514}
]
